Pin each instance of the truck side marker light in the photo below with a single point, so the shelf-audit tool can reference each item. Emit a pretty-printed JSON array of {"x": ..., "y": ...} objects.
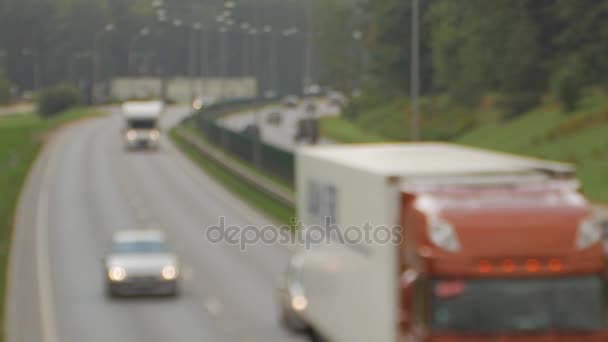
[
  {"x": 532, "y": 265},
  {"x": 508, "y": 266},
  {"x": 484, "y": 266},
  {"x": 555, "y": 265}
]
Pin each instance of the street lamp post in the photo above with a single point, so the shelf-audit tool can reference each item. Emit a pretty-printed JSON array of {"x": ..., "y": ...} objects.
[
  {"x": 308, "y": 55},
  {"x": 192, "y": 59},
  {"x": 244, "y": 67},
  {"x": 132, "y": 45},
  {"x": 415, "y": 72},
  {"x": 72, "y": 64},
  {"x": 96, "y": 60}
]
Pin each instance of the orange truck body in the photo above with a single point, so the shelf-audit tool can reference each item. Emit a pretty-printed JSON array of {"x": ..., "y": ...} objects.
[{"x": 504, "y": 233}]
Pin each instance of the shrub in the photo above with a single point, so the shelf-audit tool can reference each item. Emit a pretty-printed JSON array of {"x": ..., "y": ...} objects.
[{"x": 57, "y": 99}]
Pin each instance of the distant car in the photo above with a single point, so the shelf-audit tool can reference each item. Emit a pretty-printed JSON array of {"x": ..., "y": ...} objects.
[
  {"x": 313, "y": 89},
  {"x": 311, "y": 107},
  {"x": 336, "y": 98},
  {"x": 291, "y": 101},
  {"x": 307, "y": 129},
  {"x": 140, "y": 263},
  {"x": 274, "y": 118}
]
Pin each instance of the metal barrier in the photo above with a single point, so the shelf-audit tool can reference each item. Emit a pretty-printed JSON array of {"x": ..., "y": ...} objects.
[{"x": 266, "y": 158}]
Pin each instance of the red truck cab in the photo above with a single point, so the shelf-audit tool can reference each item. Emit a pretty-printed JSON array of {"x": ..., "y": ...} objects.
[{"x": 501, "y": 261}]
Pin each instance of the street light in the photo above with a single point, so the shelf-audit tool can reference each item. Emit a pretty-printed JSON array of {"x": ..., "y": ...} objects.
[
  {"x": 96, "y": 58},
  {"x": 191, "y": 58},
  {"x": 246, "y": 29},
  {"x": 142, "y": 33},
  {"x": 415, "y": 73},
  {"x": 72, "y": 63},
  {"x": 223, "y": 62}
]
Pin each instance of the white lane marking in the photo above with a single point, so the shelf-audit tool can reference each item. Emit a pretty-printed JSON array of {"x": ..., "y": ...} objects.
[
  {"x": 45, "y": 288},
  {"x": 214, "y": 306}
]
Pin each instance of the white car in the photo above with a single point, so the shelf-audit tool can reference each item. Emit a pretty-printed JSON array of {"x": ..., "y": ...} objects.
[
  {"x": 292, "y": 299},
  {"x": 291, "y": 101},
  {"x": 139, "y": 262}
]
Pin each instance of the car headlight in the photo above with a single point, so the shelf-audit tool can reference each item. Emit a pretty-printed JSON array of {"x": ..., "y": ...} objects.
[
  {"x": 117, "y": 273},
  {"x": 131, "y": 135},
  {"x": 443, "y": 235},
  {"x": 299, "y": 303},
  {"x": 589, "y": 233},
  {"x": 154, "y": 135},
  {"x": 169, "y": 272}
]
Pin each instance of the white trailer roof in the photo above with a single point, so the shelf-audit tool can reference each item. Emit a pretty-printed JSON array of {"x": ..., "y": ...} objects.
[
  {"x": 433, "y": 159},
  {"x": 142, "y": 109}
]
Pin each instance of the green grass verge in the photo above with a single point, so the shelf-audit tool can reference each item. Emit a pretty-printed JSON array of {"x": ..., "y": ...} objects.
[
  {"x": 21, "y": 137},
  {"x": 274, "y": 209},
  {"x": 580, "y": 138},
  {"x": 338, "y": 129}
]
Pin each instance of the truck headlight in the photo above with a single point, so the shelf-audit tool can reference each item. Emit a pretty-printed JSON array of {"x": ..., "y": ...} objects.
[
  {"x": 589, "y": 233},
  {"x": 299, "y": 303},
  {"x": 169, "y": 272},
  {"x": 131, "y": 135},
  {"x": 443, "y": 235},
  {"x": 154, "y": 135},
  {"x": 117, "y": 273}
]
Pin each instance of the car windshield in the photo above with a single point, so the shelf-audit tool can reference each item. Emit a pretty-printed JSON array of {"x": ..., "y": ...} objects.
[
  {"x": 139, "y": 247},
  {"x": 502, "y": 306},
  {"x": 142, "y": 124}
]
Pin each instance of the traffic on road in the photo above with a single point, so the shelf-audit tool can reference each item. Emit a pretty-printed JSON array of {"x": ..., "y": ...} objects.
[{"x": 291, "y": 171}]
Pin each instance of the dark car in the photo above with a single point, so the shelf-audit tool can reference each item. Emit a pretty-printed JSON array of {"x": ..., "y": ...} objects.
[
  {"x": 274, "y": 118},
  {"x": 307, "y": 129}
]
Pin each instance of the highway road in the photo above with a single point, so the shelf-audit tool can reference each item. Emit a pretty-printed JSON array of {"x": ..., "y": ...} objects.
[
  {"x": 281, "y": 135},
  {"x": 84, "y": 187}
]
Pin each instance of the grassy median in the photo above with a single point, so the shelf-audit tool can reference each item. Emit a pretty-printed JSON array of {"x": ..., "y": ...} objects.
[
  {"x": 21, "y": 137},
  {"x": 269, "y": 206}
]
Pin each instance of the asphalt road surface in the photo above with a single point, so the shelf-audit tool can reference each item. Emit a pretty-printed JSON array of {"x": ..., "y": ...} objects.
[
  {"x": 84, "y": 187},
  {"x": 281, "y": 135}
]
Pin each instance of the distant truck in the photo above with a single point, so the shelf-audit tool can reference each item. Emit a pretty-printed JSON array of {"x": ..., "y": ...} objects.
[
  {"x": 466, "y": 245},
  {"x": 141, "y": 124}
]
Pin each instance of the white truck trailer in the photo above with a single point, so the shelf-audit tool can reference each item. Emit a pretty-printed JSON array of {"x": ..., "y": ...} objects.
[
  {"x": 454, "y": 209},
  {"x": 141, "y": 124}
]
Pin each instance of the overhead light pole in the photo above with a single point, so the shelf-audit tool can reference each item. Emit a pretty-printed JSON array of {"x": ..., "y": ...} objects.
[
  {"x": 192, "y": 58},
  {"x": 415, "y": 73},
  {"x": 132, "y": 47},
  {"x": 96, "y": 59}
]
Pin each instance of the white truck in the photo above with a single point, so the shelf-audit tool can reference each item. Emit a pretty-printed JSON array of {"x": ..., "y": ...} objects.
[
  {"x": 405, "y": 240},
  {"x": 141, "y": 124}
]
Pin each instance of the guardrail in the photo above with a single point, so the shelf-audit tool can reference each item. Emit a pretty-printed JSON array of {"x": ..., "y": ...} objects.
[
  {"x": 270, "y": 189},
  {"x": 266, "y": 158},
  {"x": 219, "y": 142}
]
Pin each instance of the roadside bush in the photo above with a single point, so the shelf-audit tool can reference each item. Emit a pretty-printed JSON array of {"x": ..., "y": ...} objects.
[
  {"x": 57, "y": 99},
  {"x": 5, "y": 88}
]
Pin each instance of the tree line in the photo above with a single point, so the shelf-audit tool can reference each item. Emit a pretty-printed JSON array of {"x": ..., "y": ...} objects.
[
  {"x": 44, "y": 42},
  {"x": 520, "y": 50}
]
